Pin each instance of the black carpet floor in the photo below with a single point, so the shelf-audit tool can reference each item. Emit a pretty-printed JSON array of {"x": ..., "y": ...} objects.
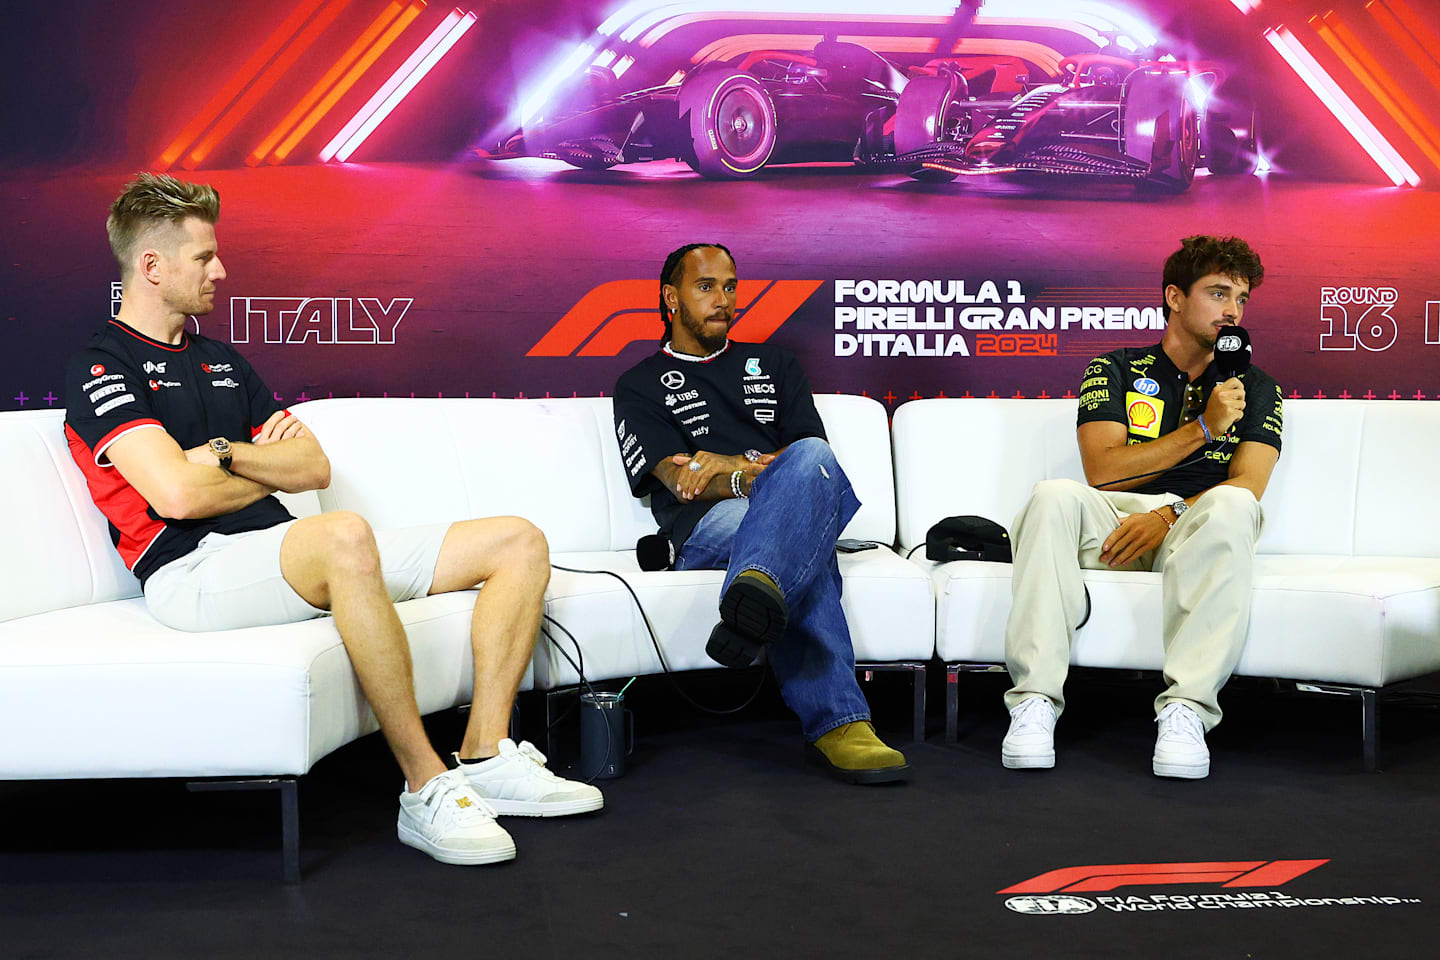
[{"x": 718, "y": 843}]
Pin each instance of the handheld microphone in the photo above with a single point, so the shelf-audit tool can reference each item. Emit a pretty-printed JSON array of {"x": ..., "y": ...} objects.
[
  {"x": 655, "y": 552},
  {"x": 1232, "y": 353}
]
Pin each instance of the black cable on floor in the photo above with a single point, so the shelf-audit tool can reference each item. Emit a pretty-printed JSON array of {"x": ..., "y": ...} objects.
[
  {"x": 580, "y": 672},
  {"x": 660, "y": 654}
]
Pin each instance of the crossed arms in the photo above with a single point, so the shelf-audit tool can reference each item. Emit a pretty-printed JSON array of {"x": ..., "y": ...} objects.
[{"x": 189, "y": 484}]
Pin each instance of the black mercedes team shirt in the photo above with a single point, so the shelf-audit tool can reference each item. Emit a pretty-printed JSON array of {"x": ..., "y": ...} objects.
[
  {"x": 1141, "y": 388},
  {"x": 748, "y": 396},
  {"x": 200, "y": 389}
]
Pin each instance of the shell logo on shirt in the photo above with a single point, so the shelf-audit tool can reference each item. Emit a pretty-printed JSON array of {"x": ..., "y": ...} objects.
[{"x": 1144, "y": 414}]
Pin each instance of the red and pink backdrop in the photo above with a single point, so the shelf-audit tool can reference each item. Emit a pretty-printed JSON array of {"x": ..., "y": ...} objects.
[{"x": 392, "y": 224}]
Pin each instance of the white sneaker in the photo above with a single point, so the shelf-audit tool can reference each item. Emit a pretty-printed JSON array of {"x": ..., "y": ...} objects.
[
  {"x": 515, "y": 782},
  {"x": 452, "y": 823},
  {"x": 1180, "y": 749},
  {"x": 1030, "y": 744}
]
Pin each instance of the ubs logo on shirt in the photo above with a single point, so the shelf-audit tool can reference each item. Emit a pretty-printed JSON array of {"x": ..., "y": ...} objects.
[{"x": 673, "y": 398}]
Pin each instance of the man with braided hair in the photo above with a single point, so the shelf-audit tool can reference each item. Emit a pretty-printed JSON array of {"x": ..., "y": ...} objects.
[{"x": 725, "y": 440}]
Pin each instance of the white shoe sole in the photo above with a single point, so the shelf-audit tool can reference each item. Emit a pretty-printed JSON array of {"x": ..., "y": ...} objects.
[
  {"x": 1028, "y": 761},
  {"x": 465, "y": 858},
  {"x": 1180, "y": 771},
  {"x": 537, "y": 808}
]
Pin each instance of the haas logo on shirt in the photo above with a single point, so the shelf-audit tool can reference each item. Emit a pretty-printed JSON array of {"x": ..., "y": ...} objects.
[{"x": 152, "y": 367}]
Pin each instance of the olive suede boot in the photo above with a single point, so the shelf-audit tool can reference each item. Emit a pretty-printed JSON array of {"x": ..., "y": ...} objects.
[{"x": 853, "y": 753}]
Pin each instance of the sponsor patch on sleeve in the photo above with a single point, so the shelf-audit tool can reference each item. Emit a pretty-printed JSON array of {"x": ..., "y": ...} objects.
[{"x": 1144, "y": 414}]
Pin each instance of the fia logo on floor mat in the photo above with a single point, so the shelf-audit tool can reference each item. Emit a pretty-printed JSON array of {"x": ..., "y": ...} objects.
[
  {"x": 1050, "y": 905},
  {"x": 1052, "y": 892}
]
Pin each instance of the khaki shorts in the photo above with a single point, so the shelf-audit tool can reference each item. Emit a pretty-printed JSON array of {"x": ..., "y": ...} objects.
[{"x": 230, "y": 581}]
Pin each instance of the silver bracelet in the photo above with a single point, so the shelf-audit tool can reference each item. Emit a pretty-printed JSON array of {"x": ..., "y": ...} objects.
[{"x": 735, "y": 485}]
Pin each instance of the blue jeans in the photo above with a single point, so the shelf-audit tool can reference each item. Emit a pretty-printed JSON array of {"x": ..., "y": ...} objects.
[{"x": 787, "y": 530}]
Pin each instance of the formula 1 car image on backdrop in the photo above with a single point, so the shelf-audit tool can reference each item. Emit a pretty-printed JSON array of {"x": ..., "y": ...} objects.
[{"x": 1110, "y": 114}]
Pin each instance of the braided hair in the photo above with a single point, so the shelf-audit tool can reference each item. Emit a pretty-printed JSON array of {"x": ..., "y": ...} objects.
[{"x": 670, "y": 273}]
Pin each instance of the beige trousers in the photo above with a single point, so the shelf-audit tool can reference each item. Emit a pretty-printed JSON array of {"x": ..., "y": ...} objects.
[{"x": 1207, "y": 561}]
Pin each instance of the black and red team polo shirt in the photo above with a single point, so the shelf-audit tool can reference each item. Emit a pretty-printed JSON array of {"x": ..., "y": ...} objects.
[{"x": 195, "y": 391}]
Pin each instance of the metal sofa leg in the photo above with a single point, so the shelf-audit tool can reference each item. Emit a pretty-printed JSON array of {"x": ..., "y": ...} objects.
[
  {"x": 1369, "y": 715},
  {"x": 952, "y": 702},
  {"x": 289, "y": 814},
  {"x": 952, "y": 692},
  {"x": 917, "y": 680},
  {"x": 1370, "y": 729},
  {"x": 917, "y": 687}
]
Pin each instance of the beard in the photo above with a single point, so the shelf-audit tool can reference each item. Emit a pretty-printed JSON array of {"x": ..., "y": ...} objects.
[
  {"x": 710, "y": 342},
  {"x": 190, "y": 304}
]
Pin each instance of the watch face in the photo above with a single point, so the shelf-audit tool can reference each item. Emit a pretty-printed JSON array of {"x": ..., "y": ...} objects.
[{"x": 1179, "y": 506}]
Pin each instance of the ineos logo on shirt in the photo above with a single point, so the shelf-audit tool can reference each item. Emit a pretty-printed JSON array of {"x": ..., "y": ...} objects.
[{"x": 672, "y": 379}]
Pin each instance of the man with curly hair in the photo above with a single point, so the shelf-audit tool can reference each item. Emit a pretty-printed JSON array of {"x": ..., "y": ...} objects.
[{"x": 1199, "y": 451}]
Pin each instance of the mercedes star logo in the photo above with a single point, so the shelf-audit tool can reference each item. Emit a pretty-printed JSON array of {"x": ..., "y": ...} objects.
[{"x": 672, "y": 379}]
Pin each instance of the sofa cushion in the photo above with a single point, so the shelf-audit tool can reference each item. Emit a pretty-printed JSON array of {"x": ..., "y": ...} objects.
[
  {"x": 553, "y": 461},
  {"x": 105, "y": 691},
  {"x": 887, "y": 601},
  {"x": 1361, "y": 620}
]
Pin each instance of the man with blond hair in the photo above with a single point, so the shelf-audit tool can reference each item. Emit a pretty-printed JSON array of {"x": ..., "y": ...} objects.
[{"x": 183, "y": 447}]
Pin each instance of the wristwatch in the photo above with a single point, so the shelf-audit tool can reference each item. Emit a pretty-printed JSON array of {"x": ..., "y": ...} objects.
[
  {"x": 221, "y": 448},
  {"x": 1179, "y": 507},
  {"x": 752, "y": 455}
]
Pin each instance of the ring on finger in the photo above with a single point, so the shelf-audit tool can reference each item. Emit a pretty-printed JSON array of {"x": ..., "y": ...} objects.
[{"x": 694, "y": 466}]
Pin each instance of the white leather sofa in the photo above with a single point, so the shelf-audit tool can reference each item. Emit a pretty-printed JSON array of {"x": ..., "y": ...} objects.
[
  {"x": 1347, "y": 588},
  {"x": 92, "y": 687}
]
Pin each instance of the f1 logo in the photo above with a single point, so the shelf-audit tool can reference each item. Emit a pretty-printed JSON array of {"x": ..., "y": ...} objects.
[
  {"x": 614, "y": 315},
  {"x": 1226, "y": 873}
]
